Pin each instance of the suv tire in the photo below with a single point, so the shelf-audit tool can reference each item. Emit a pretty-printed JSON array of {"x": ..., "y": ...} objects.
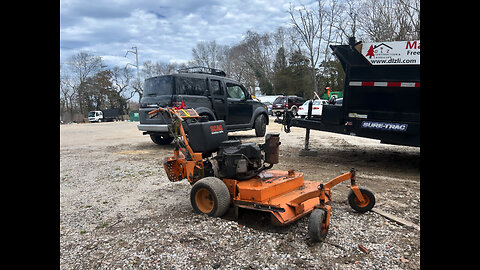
[
  {"x": 260, "y": 126},
  {"x": 161, "y": 139}
]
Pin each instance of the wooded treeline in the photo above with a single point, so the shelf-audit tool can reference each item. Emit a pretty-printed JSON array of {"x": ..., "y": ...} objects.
[{"x": 294, "y": 60}]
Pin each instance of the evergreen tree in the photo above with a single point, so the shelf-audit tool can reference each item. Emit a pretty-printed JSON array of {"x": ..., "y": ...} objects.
[
  {"x": 280, "y": 60},
  {"x": 292, "y": 78},
  {"x": 280, "y": 69},
  {"x": 300, "y": 83},
  {"x": 332, "y": 75}
]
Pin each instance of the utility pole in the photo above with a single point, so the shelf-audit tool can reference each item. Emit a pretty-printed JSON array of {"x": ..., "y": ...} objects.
[{"x": 138, "y": 70}]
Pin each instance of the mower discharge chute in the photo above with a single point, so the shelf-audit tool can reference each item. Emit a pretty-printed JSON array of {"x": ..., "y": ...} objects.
[{"x": 238, "y": 174}]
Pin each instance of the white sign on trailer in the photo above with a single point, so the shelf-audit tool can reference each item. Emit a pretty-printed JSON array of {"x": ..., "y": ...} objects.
[{"x": 392, "y": 53}]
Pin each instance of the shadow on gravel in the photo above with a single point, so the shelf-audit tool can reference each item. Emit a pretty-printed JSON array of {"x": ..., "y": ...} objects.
[
  {"x": 152, "y": 146},
  {"x": 378, "y": 158},
  {"x": 257, "y": 220},
  {"x": 240, "y": 137}
]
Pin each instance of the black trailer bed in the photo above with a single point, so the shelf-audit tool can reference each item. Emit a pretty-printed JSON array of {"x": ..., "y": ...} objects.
[{"x": 379, "y": 101}]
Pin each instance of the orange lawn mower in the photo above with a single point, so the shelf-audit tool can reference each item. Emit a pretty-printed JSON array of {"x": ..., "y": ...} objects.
[{"x": 238, "y": 174}]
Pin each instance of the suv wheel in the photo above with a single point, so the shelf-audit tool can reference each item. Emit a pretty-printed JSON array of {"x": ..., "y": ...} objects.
[
  {"x": 161, "y": 139},
  {"x": 260, "y": 126}
]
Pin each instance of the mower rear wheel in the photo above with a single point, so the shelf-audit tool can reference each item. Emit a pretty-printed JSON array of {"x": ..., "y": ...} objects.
[
  {"x": 210, "y": 196},
  {"x": 317, "y": 228},
  {"x": 362, "y": 207}
]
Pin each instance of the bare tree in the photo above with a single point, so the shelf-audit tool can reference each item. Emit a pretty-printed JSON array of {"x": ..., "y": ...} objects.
[
  {"x": 67, "y": 91},
  {"x": 208, "y": 54},
  {"x": 150, "y": 69},
  {"x": 411, "y": 9},
  {"x": 331, "y": 14},
  {"x": 347, "y": 21},
  {"x": 310, "y": 26},
  {"x": 390, "y": 20},
  {"x": 286, "y": 38},
  {"x": 257, "y": 53},
  {"x": 236, "y": 67},
  {"x": 121, "y": 81},
  {"x": 82, "y": 65}
]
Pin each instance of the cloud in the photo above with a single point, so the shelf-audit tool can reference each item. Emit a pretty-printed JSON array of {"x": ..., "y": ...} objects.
[{"x": 164, "y": 30}]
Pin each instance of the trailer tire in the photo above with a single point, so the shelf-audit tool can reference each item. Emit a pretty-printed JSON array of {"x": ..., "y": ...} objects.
[
  {"x": 210, "y": 196},
  {"x": 295, "y": 111},
  {"x": 316, "y": 225},
  {"x": 362, "y": 207}
]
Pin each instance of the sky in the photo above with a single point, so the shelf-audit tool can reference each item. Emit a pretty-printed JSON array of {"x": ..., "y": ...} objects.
[{"x": 162, "y": 30}]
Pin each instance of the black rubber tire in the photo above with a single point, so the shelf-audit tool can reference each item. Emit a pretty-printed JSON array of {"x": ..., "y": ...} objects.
[
  {"x": 315, "y": 230},
  {"x": 209, "y": 116},
  {"x": 366, "y": 193},
  {"x": 161, "y": 139},
  {"x": 295, "y": 111},
  {"x": 219, "y": 195},
  {"x": 260, "y": 126}
]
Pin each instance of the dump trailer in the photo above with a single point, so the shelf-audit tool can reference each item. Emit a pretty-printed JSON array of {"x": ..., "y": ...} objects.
[{"x": 381, "y": 98}]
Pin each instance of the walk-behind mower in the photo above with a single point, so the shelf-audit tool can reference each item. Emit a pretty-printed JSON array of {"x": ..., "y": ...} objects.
[{"x": 238, "y": 174}]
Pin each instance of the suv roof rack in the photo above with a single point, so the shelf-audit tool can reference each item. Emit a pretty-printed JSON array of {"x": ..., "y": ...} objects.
[{"x": 203, "y": 70}]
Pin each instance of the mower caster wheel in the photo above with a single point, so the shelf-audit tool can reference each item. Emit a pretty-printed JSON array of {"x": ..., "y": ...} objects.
[
  {"x": 316, "y": 225},
  {"x": 367, "y": 205},
  {"x": 210, "y": 196}
]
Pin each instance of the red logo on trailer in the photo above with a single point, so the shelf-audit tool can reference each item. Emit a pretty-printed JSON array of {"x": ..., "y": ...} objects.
[{"x": 370, "y": 52}]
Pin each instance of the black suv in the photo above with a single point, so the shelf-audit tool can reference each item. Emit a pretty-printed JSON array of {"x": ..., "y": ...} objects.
[{"x": 209, "y": 92}]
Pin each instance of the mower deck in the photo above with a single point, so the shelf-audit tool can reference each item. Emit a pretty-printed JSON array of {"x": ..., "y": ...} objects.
[{"x": 276, "y": 191}]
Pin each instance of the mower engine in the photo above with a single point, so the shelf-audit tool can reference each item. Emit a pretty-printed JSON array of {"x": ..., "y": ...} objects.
[{"x": 235, "y": 160}]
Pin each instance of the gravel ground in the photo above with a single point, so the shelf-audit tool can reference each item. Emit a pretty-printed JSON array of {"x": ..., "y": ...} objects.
[{"x": 119, "y": 211}]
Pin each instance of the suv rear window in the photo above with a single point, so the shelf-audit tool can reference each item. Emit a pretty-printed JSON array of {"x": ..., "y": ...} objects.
[
  {"x": 158, "y": 86},
  {"x": 279, "y": 100},
  {"x": 191, "y": 86}
]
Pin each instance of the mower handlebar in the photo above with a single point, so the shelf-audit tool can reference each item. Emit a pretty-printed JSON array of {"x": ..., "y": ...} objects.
[
  {"x": 181, "y": 112},
  {"x": 159, "y": 109},
  {"x": 153, "y": 113}
]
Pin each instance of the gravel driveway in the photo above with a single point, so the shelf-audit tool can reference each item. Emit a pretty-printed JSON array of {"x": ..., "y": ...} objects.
[{"x": 119, "y": 211}]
